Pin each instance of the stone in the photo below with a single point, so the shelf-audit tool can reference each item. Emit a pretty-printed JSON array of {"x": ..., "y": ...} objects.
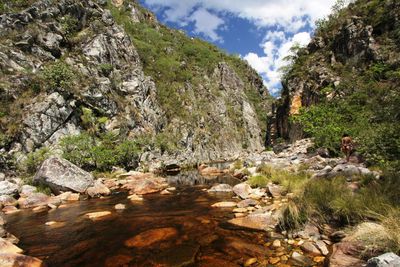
[
  {"x": 73, "y": 197},
  {"x": 61, "y": 175},
  {"x": 337, "y": 236},
  {"x": 145, "y": 183},
  {"x": 209, "y": 171},
  {"x": 250, "y": 262},
  {"x": 150, "y": 237},
  {"x": 242, "y": 190},
  {"x": 274, "y": 260},
  {"x": 26, "y": 190},
  {"x": 98, "y": 189},
  {"x": 224, "y": 204},
  {"x": 345, "y": 254},
  {"x": 98, "y": 214},
  {"x": 226, "y": 188},
  {"x": 8, "y": 188},
  {"x": 8, "y": 247},
  {"x": 301, "y": 259},
  {"x": 33, "y": 200},
  {"x": 240, "y": 215},
  {"x": 322, "y": 247},
  {"x": 18, "y": 260},
  {"x": 135, "y": 197},
  {"x": 275, "y": 190},
  {"x": 261, "y": 221},
  {"x": 10, "y": 210},
  {"x": 240, "y": 210},
  {"x": 319, "y": 259},
  {"x": 385, "y": 260},
  {"x": 276, "y": 243},
  {"x": 7, "y": 200},
  {"x": 165, "y": 192},
  {"x": 50, "y": 223},
  {"x": 246, "y": 203},
  {"x": 39, "y": 208},
  {"x": 2, "y": 176},
  {"x": 310, "y": 248},
  {"x": 118, "y": 260},
  {"x": 120, "y": 206}
]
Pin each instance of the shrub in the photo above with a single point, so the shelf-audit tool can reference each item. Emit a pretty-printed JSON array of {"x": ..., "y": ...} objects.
[
  {"x": 77, "y": 149},
  {"x": 34, "y": 159},
  {"x": 106, "y": 69},
  {"x": 258, "y": 181},
  {"x": 58, "y": 75}
]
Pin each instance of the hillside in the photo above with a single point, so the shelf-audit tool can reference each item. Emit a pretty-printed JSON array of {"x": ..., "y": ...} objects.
[
  {"x": 347, "y": 80},
  {"x": 107, "y": 78}
]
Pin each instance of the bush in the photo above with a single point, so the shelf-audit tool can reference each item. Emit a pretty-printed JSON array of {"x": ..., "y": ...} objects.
[
  {"x": 58, "y": 75},
  {"x": 34, "y": 159}
]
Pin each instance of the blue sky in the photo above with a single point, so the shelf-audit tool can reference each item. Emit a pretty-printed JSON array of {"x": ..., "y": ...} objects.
[{"x": 261, "y": 31}]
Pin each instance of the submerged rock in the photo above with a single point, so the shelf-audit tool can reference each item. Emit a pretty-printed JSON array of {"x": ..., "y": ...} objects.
[
  {"x": 255, "y": 221},
  {"x": 61, "y": 175},
  {"x": 224, "y": 204},
  {"x": 150, "y": 237},
  {"x": 98, "y": 189},
  {"x": 221, "y": 188},
  {"x": 98, "y": 214}
]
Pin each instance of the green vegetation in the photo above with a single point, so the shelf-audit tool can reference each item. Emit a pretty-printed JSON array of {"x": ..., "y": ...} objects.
[
  {"x": 333, "y": 201},
  {"x": 30, "y": 165},
  {"x": 258, "y": 181},
  {"x": 58, "y": 75}
]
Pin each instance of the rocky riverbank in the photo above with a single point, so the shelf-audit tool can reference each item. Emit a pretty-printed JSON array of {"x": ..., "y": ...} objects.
[{"x": 254, "y": 208}]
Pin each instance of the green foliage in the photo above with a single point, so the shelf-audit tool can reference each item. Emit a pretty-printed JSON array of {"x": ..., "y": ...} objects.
[
  {"x": 258, "y": 181},
  {"x": 34, "y": 159},
  {"x": 92, "y": 123},
  {"x": 69, "y": 25},
  {"x": 106, "y": 69},
  {"x": 101, "y": 153},
  {"x": 58, "y": 75},
  {"x": 323, "y": 122}
]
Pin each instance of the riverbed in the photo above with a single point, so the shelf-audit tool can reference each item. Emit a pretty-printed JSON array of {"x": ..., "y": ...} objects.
[{"x": 190, "y": 231}]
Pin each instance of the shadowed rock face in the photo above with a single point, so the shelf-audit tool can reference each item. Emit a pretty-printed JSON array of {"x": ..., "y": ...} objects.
[{"x": 61, "y": 175}]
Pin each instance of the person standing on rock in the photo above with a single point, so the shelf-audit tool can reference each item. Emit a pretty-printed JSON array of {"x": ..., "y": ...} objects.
[{"x": 347, "y": 146}]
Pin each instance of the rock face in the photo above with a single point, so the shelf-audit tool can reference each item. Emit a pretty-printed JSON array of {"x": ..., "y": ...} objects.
[
  {"x": 61, "y": 175},
  {"x": 356, "y": 41},
  {"x": 110, "y": 78}
]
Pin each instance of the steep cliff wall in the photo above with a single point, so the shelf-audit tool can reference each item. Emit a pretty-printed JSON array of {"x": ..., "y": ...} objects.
[
  {"x": 136, "y": 78},
  {"x": 349, "y": 48}
]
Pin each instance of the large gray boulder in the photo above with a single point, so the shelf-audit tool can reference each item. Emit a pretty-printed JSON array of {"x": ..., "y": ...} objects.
[
  {"x": 8, "y": 188},
  {"x": 61, "y": 175},
  {"x": 384, "y": 260}
]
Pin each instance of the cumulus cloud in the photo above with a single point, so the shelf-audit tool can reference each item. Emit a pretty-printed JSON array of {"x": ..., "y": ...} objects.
[
  {"x": 276, "y": 48},
  {"x": 207, "y": 24},
  {"x": 284, "y": 23}
]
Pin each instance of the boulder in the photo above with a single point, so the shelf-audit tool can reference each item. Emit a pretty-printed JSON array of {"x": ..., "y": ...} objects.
[
  {"x": 33, "y": 200},
  {"x": 275, "y": 190},
  {"x": 98, "y": 214},
  {"x": 8, "y": 247},
  {"x": 385, "y": 260},
  {"x": 209, "y": 171},
  {"x": 98, "y": 189},
  {"x": 301, "y": 260},
  {"x": 6, "y": 200},
  {"x": 309, "y": 247},
  {"x": 346, "y": 254},
  {"x": 243, "y": 190},
  {"x": 26, "y": 190},
  {"x": 246, "y": 203},
  {"x": 144, "y": 183},
  {"x": 221, "y": 188},
  {"x": 15, "y": 259},
  {"x": 8, "y": 188},
  {"x": 61, "y": 175}
]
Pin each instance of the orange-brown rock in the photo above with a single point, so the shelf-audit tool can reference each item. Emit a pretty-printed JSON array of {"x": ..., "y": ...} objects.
[
  {"x": 118, "y": 260},
  {"x": 152, "y": 236}
]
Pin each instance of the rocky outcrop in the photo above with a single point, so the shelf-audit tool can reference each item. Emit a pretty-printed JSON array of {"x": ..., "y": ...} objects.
[
  {"x": 348, "y": 45},
  {"x": 95, "y": 65},
  {"x": 61, "y": 175}
]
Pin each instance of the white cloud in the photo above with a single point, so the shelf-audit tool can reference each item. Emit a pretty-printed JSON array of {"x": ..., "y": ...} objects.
[
  {"x": 276, "y": 47},
  {"x": 207, "y": 24},
  {"x": 282, "y": 21}
]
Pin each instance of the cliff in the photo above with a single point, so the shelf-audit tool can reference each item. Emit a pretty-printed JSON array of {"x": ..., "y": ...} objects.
[{"x": 64, "y": 63}]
